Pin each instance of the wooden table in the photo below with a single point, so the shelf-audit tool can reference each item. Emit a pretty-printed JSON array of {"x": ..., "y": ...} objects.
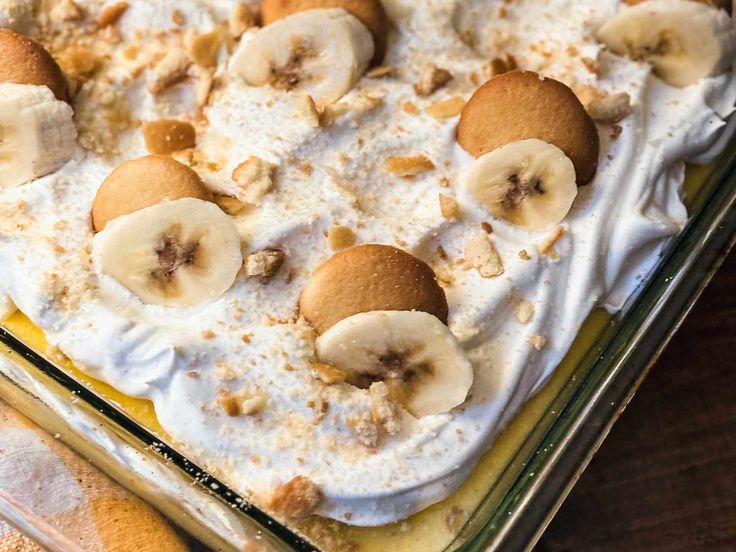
[{"x": 665, "y": 479}]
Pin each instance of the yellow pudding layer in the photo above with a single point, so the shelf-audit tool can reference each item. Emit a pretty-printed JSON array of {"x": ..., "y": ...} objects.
[{"x": 435, "y": 527}]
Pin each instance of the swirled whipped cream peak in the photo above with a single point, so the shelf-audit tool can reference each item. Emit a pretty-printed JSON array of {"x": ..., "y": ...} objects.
[{"x": 339, "y": 244}]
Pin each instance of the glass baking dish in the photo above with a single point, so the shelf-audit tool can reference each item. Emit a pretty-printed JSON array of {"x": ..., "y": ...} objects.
[{"x": 518, "y": 485}]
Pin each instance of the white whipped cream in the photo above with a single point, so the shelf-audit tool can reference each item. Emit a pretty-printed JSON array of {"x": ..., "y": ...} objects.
[{"x": 614, "y": 234}]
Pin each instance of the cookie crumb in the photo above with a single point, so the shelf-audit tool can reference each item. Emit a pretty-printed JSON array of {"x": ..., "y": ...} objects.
[
  {"x": 264, "y": 264},
  {"x": 410, "y": 165},
  {"x": 111, "y": 14},
  {"x": 230, "y": 404},
  {"x": 254, "y": 178},
  {"x": 340, "y": 237},
  {"x": 383, "y": 409},
  {"x": 449, "y": 208},
  {"x": 328, "y": 374},
  {"x": 171, "y": 70},
  {"x": 483, "y": 256},
  {"x": 547, "y": 245},
  {"x": 524, "y": 312},
  {"x": 296, "y": 499},
  {"x": 409, "y": 107},
  {"x": 604, "y": 107},
  {"x": 308, "y": 110},
  {"x": 253, "y": 405},
  {"x": 380, "y": 71},
  {"x": 366, "y": 429},
  {"x": 330, "y": 113},
  {"x": 231, "y": 205},
  {"x": 205, "y": 47},
  {"x": 446, "y": 109},
  {"x": 538, "y": 341},
  {"x": 524, "y": 255},
  {"x": 432, "y": 80},
  {"x": 178, "y": 18},
  {"x": 166, "y": 136}
]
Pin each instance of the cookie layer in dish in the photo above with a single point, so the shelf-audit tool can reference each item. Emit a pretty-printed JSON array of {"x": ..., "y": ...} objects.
[{"x": 320, "y": 377}]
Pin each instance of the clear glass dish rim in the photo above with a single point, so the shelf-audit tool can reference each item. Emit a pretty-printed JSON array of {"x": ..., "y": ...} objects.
[{"x": 573, "y": 426}]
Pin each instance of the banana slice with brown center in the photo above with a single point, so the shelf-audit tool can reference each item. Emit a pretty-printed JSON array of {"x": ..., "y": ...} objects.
[
  {"x": 415, "y": 354},
  {"x": 683, "y": 40},
  {"x": 176, "y": 253},
  {"x": 529, "y": 183},
  {"x": 319, "y": 52}
]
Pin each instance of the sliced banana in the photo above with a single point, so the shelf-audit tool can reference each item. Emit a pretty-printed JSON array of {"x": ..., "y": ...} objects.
[
  {"x": 37, "y": 133},
  {"x": 319, "y": 52},
  {"x": 529, "y": 183},
  {"x": 176, "y": 253},
  {"x": 17, "y": 15},
  {"x": 684, "y": 41},
  {"x": 414, "y": 353}
]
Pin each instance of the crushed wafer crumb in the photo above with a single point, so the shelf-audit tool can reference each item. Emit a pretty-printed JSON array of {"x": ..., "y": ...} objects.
[
  {"x": 410, "y": 165},
  {"x": 111, "y": 14},
  {"x": 340, "y": 237},
  {"x": 166, "y": 136},
  {"x": 449, "y": 208},
  {"x": 366, "y": 429},
  {"x": 432, "y": 80},
  {"x": 296, "y": 499},
  {"x": 524, "y": 311},
  {"x": 328, "y": 374},
  {"x": 204, "y": 48},
  {"x": 254, "y": 178},
  {"x": 602, "y": 106},
  {"x": 231, "y": 205},
  {"x": 384, "y": 410},
  {"x": 524, "y": 255},
  {"x": 171, "y": 70},
  {"x": 178, "y": 18},
  {"x": 230, "y": 404},
  {"x": 446, "y": 109},
  {"x": 380, "y": 71},
  {"x": 308, "y": 110},
  {"x": 483, "y": 256},
  {"x": 547, "y": 245},
  {"x": 78, "y": 61},
  {"x": 264, "y": 264},
  {"x": 409, "y": 107},
  {"x": 329, "y": 114},
  {"x": 253, "y": 404},
  {"x": 538, "y": 341}
]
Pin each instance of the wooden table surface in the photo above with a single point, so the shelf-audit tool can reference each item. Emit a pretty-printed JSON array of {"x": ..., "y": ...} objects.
[{"x": 665, "y": 479}]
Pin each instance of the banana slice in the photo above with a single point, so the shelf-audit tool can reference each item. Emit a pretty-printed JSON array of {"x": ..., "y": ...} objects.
[
  {"x": 176, "y": 253},
  {"x": 414, "y": 353},
  {"x": 37, "y": 133},
  {"x": 319, "y": 52},
  {"x": 529, "y": 183},
  {"x": 684, "y": 41},
  {"x": 17, "y": 15}
]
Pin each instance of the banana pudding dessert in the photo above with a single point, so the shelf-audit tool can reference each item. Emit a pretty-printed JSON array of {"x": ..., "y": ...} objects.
[{"x": 339, "y": 243}]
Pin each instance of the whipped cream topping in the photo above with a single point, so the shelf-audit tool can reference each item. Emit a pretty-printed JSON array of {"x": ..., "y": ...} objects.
[{"x": 249, "y": 340}]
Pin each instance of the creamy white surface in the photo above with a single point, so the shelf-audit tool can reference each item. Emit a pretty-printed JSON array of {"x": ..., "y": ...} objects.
[{"x": 615, "y": 232}]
